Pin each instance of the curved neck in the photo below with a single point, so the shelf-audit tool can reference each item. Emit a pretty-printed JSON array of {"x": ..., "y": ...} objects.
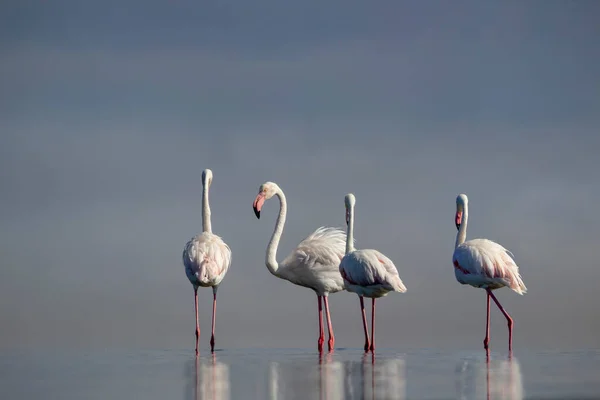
[
  {"x": 271, "y": 259},
  {"x": 206, "y": 227},
  {"x": 461, "y": 235},
  {"x": 350, "y": 232}
]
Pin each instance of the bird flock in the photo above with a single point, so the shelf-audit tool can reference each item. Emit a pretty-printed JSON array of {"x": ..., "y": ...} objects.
[{"x": 327, "y": 262}]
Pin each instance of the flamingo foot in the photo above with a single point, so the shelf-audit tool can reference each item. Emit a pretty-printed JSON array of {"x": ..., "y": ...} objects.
[
  {"x": 486, "y": 343},
  {"x": 367, "y": 346},
  {"x": 331, "y": 343},
  {"x": 197, "y": 333},
  {"x": 372, "y": 347},
  {"x": 212, "y": 343},
  {"x": 320, "y": 344}
]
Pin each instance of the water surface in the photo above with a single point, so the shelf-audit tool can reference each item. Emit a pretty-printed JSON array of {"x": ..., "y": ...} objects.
[{"x": 299, "y": 374}]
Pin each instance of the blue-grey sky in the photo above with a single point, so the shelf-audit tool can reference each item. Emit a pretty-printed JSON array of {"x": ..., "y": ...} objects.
[{"x": 110, "y": 110}]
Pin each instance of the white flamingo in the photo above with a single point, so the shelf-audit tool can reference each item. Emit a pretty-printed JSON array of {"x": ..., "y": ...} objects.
[
  {"x": 367, "y": 273},
  {"x": 206, "y": 258},
  {"x": 484, "y": 264},
  {"x": 313, "y": 264}
]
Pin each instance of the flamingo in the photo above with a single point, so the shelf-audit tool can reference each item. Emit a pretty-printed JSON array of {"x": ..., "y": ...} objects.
[
  {"x": 206, "y": 258},
  {"x": 313, "y": 264},
  {"x": 484, "y": 264},
  {"x": 368, "y": 273}
]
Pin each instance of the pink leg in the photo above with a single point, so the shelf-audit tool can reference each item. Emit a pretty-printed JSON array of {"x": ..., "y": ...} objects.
[
  {"x": 364, "y": 318},
  {"x": 486, "y": 340},
  {"x": 197, "y": 323},
  {"x": 373, "y": 325},
  {"x": 487, "y": 373},
  {"x": 331, "y": 341},
  {"x": 212, "y": 337},
  {"x": 321, "y": 331},
  {"x": 508, "y": 319}
]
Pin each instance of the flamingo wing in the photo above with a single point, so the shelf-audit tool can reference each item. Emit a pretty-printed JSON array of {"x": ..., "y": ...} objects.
[
  {"x": 207, "y": 259},
  {"x": 334, "y": 238},
  {"x": 371, "y": 267},
  {"x": 488, "y": 263},
  {"x": 325, "y": 246},
  {"x": 316, "y": 258}
]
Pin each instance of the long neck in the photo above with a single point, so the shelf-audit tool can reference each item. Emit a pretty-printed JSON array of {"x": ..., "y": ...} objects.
[
  {"x": 206, "y": 227},
  {"x": 461, "y": 235},
  {"x": 350, "y": 233},
  {"x": 271, "y": 259}
]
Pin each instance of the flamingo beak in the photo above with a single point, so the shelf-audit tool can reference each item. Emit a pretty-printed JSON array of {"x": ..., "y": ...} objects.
[
  {"x": 258, "y": 203},
  {"x": 458, "y": 219}
]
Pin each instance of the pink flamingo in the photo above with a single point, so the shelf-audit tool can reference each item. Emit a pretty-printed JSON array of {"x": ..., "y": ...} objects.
[
  {"x": 313, "y": 264},
  {"x": 206, "y": 259},
  {"x": 484, "y": 264},
  {"x": 367, "y": 273}
]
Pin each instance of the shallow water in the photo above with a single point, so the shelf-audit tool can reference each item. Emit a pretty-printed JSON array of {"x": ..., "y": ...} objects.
[{"x": 299, "y": 374}]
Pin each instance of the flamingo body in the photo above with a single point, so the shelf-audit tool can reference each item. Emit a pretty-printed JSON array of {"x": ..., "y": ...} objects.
[
  {"x": 370, "y": 273},
  {"x": 207, "y": 259},
  {"x": 367, "y": 272},
  {"x": 485, "y": 264},
  {"x": 314, "y": 262}
]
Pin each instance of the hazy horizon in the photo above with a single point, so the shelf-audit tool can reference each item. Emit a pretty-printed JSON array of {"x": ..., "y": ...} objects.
[{"x": 110, "y": 111}]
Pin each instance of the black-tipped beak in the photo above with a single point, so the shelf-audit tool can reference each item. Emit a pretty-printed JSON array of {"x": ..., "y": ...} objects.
[
  {"x": 258, "y": 203},
  {"x": 458, "y": 219}
]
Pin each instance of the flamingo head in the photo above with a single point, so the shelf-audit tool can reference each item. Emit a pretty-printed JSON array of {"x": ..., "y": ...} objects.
[
  {"x": 207, "y": 177},
  {"x": 265, "y": 192},
  {"x": 461, "y": 203},
  {"x": 349, "y": 201}
]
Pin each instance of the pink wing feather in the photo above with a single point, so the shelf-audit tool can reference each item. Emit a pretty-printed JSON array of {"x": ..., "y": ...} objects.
[
  {"x": 314, "y": 262},
  {"x": 484, "y": 263},
  {"x": 207, "y": 259},
  {"x": 369, "y": 267}
]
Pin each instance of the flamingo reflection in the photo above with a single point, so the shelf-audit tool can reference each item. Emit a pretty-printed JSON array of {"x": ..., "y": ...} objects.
[
  {"x": 487, "y": 378},
  {"x": 323, "y": 381},
  {"x": 373, "y": 378},
  {"x": 332, "y": 379},
  {"x": 210, "y": 380}
]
